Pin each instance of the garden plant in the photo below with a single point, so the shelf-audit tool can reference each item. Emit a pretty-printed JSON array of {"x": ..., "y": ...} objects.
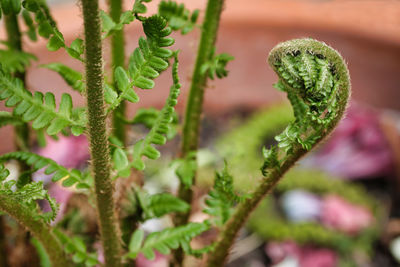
[{"x": 312, "y": 75}]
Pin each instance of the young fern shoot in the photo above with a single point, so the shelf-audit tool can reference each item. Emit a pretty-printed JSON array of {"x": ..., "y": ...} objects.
[{"x": 316, "y": 80}]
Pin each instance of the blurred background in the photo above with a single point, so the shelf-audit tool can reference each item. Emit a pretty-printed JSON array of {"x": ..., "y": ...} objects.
[{"x": 341, "y": 205}]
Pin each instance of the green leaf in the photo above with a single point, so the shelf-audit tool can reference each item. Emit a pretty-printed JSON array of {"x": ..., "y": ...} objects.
[
  {"x": 139, "y": 7},
  {"x": 69, "y": 75},
  {"x": 15, "y": 61},
  {"x": 37, "y": 162},
  {"x": 136, "y": 242},
  {"x": 172, "y": 238},
  {"x": 178, "y": 17},
  {"x": 6, "y": 118},
  {"x": 216, "y": 66},
  {"x": 186, "y": 170},
  {"x": 161, "y": 126},
  {"x": 40, "y": 108},
  {"x": 121, "y": 162}
]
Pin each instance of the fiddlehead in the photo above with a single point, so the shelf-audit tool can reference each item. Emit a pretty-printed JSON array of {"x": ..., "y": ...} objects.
[{"x": 317, "y": 82}]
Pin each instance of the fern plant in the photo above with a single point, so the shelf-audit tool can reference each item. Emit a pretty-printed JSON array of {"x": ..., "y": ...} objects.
[{"x": 312, "y": 74}]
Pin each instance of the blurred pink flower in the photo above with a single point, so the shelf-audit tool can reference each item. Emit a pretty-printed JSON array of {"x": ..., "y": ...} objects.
[
  {"x": 306, "y": 256},
  {"x": 339, "y": 214},
  {"x": 71, "y": 152},
  {"x": 357, "y": 148}
]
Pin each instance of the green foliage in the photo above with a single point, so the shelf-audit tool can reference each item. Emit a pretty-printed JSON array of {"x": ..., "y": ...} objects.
[
  {"x": 186, "y": 169},
  {"x": 31, "y": 31},
  {"x": 70, "y": 177},
  {"x": 70, "y": 76},
  {"x": 15, "y": 61},
  {"x": 151, "y": 58},
  {"x": 78, "y": 249},
  {"x": 216, "y": 65},
  {"x": 28, "y": 195},
  {"x": 121, "y": 163},
  {"x": 165, "y": 240},
  {"x": 160, "y": 127},
  {"x": 222, "y": 197},
  {"x": 178, "y": 17},
  {"x": 40, "y": 250},
  {"x": 109, "y": 26},
  {"x": 158, "y": 205},
  {"x": 6, "y": 118},
  {"x": 41, "y": 111},
  {"x": 139, "y": 7},
  {"x": 47, "y": 28},
  {"x": 317, "y": 84}
]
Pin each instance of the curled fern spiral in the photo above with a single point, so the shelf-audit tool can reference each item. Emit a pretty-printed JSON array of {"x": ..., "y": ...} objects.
[{"x": 317, "y": 82}]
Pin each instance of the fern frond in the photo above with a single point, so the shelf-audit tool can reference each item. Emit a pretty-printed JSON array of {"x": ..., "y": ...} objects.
[
  {"x": 178, "y": 17},
  {"x": 77, "y": 248},
  {"x": 164, "y": 241},
  {"x": 70, "y": 177},
  {"x": 317, "y": 84},
  {"x": 222, "y": 197},
  {"x": 47, "y": 28},
  {"x": 41, "y": 111},
  {"x": 160, "y": 129},
  {"x": 11, "y": 6},
  {"x": 139, "y": 7},
  {"x": 31, "y": 32},
  {"x": 109, "y": 25},
  {"x": 15, "y": 61},
  {"x": 27, "y": 195},
  {"x": 151, "y": 57},
  {"x": 158, "y": 205},
  {"x": 72, "y": 77},
  {"x": 216, "y": 65},
  {"x": 6, "y": 118}
]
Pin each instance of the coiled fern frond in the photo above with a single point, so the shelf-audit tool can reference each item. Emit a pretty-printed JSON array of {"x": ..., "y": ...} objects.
[
  {"x": 317, "y": 83},
  {"x": 27, "y": 195}
]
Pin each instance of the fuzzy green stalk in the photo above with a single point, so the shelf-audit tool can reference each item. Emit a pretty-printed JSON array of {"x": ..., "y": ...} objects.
[
  {"x": 42, "y": 231},
  {"x": 118, "y": 60},
  {"x": 99, "y": 146},
  {"x": 14, "y": 41},
  {"x": 194, "y": 106},
  {"x": 303, "y": 46}
]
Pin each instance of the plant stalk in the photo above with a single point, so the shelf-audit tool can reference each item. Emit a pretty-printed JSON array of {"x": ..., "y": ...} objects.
[
  {"x": 194, "y": 106},
  {"x": 38, "y": 228},
  {"x": 14, "y": 41},
  {"x": 118, "y": 60},
  {"x": 238, "y": 219},
  {"x": 99, "y": 146}
]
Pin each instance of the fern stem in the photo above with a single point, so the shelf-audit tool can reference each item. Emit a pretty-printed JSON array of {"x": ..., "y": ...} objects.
[
  {"x": 99, "y": 147},
  {"x": 118, "y": 60},
  {"x": 14, "y": 40},
  {"x": 3, "y": 243},
  {"x": 38, "y": 228},
  {"x": 242, "y": 212},
  {"x": 194, "y": 106},
  {"x": 275, "y": 173}
]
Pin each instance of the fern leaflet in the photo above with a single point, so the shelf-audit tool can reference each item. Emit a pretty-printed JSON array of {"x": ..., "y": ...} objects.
[
  {"x": 13, "y": 60},
  {"x": 164, "y": 241},
  {"x": 161, "y": 126},
  {"x": 178, "y": 17},
  {"x": 6, "y": 118},
  {"x": 27, "y": 195},
  {"x": 72, "y": 77},
  {"x": 41, "y": 111},
  {"x": 70, "y": 177}
]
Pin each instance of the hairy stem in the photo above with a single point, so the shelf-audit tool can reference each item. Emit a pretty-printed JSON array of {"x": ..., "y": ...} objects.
[
  {"x": 242, "y": 212},
  {"x": 118, "y": 60},
  {"x": 99, "y": 147},
  {"x": 194, "y": 106},
  {"x": 38, "y": 228}
]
